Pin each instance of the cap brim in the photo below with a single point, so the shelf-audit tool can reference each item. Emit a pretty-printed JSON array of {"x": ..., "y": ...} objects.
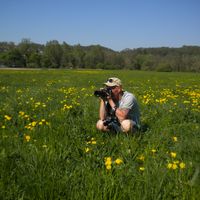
[{"x": 110, "y": 84}]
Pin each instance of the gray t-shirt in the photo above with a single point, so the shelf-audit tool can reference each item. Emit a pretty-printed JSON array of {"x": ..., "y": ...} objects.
[{"x": 128, "y": 101}]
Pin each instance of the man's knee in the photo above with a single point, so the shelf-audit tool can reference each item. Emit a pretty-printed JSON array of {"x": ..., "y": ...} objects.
[
  {"x": 127, "y": 125},
  {"x": 100, "y": 125}
]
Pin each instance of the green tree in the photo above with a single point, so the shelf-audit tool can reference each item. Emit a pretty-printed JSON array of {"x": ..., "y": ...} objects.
[
  {"x": 14, "y": 58},
  {"x": 53, "y": 54},
  {"x": 6, "y": 46},
  {"x": 25, "y": 49},
  {"x": 78, "y": 56},
  {"x": 67, "y": 59},
  {"x": 35, "y": 60}
]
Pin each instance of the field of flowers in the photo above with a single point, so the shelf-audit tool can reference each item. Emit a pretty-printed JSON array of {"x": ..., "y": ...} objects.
[{"x": 50, "y": 148}]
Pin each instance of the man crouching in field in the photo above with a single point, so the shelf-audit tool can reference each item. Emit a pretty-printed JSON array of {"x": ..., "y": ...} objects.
[{"x": 119, "y": 110}]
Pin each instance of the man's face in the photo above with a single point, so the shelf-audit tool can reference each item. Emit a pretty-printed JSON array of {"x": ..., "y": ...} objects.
[{"x": 116, "y": 90}]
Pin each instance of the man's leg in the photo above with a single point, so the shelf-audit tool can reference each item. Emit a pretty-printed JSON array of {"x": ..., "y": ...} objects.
[{"x": 128, "y": 125}]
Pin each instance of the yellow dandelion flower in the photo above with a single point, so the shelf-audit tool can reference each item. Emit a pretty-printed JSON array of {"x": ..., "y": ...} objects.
[
  {"x": 27, "y": 138},
  {"x": 173, "y": 154},
  {"x": 141, "y": 157},
  {"x": 141, "y": 168},
  {"x": 108, "y": 160},
  {"x": 66, "y": 107},
  {"x": 174, "y": 166},
  {"x": 21, "y": 113},
  {"x": 108, "y": 167},
  {"x": 182, "y": 165},
  {"x": 169, "y": 165},
  {"x": 153, "y": 151},
  {"x": 7, "y": 117},
  {"x": 175, "y": 139},
  {"x": 118, "y": 161},
  {"x": 33, "y": 124},
  {"x": 87, "y": 149},
  {"x": 26, "y": 116}
]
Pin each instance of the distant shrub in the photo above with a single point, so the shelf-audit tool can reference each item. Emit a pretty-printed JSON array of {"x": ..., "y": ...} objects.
[{"x": 164, "y": 67}]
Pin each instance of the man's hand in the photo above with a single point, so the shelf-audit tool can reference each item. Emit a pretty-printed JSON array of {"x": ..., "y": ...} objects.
[{"x": 109, "y": 97}]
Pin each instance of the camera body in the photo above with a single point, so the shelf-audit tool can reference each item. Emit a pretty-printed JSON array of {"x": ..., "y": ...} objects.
[{"x": 103, "y": 93}]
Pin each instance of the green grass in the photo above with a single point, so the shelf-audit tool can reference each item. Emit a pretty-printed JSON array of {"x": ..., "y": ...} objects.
[{"x": 47, "y": 122}]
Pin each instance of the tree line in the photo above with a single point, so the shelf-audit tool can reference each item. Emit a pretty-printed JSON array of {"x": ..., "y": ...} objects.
[{"x": 28, "y": 54}]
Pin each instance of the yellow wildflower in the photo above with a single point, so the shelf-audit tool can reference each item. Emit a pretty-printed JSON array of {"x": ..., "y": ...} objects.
[
  {"x": 33, "y": 124},
  {"x": 182, "y": 165},
  {"x": 174, "y": 166},
  {"x": 173, "y": 154},
  {"x": 7, "y": 117},
  {"x": 108, "y": 167},
  {"x": 26, "y": 116},
  {"x": 141, "y": 168},
  {"x": 141, "y": 157},
  {"x": 118, "y": 161},
  {"x": 87, "y": 149},
  {"x": 27, "y": 138},
  {"x": 94, "y": 142},
  {"x": 175, "y": 139},
  {"x": 66, "y": 107},
  {"x": 21, "y": 113},
  {"x": 169, "y": 165},
  {"x": 108, "y": 160},
  {"x": 153, "y": 151},
  {"x": 43, "y": 105}
]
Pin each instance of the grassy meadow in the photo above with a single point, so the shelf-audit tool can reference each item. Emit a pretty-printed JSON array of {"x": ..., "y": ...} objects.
[{"x": 50, "y": 148}]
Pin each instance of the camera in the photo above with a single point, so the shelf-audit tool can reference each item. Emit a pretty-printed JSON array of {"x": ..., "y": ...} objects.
[
  {"x": 107, "y": 122},
  {"x": 103, "y": 93},
  {"x": 112, "y": 124}
]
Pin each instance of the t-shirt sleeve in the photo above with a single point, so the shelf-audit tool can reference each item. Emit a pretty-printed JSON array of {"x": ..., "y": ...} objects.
[{"x": 128, "y": 102}]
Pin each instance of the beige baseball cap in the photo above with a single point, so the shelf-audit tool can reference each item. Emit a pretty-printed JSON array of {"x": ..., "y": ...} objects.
[{"x": 113, "y": 82}]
